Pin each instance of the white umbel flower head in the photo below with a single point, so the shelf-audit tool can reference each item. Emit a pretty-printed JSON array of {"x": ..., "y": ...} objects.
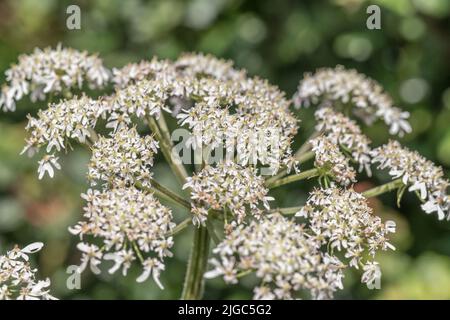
[
  {"x": 56, "y": 126},
  {"x": 18, "y": 278},
  {"x": 229, "y": 187},
  {"x": 345, "y": 133},
  {"x": 218, "y": 103},
  {"x": 282, "y": 255},
  {"x": 123, "y": 159},
  {"x": 417, "y": 173},
  {"x": 349, "y": 86},
  {"x": 131, "y": 224},
  {"x": 51, "y": 71},
  {"x": 331, "y": 160},
  {"x": 341, "y": 220}
]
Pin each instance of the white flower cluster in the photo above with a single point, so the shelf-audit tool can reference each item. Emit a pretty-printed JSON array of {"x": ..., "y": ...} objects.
[
  {"x": 349, "y": 86},
  {"x": 345, "y": 133},
  {"x": 130, "y": 223},
  {"x": 18, "y": 278},
  {"x": 145, "y": 70},
  {"x": 51, "y": 71},
  {"x": 122, "y": 159},
  {"x": 56, "y": 125},
  {"x": 341, "y": 220},
  {"x": 228, "y": 106},
  {"x": 420, "y": 174},
  {"x": 286, "y": 259},
  {"x": 332, "y": 161},
  {"x": 229, "y": 187}
]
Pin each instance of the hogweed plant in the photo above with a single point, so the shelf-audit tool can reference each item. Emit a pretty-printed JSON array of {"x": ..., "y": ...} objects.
[{"x": 237, "y": 133}]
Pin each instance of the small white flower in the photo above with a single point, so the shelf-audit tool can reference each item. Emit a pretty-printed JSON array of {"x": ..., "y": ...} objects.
[
  {"x": 90, "y": 254},
  {"x": 47, "y": 164},
  {"x": 152, "y": 267},
  {"x": 372, "y": 274}
]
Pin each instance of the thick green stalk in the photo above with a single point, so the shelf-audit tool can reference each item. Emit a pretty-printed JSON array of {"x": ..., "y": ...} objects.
[
  {"x": 181, "y": 226},
  {"x": 165, "y": 145},
  {"x": 395, "y": 184},
  {"x": 296, "y": 177},
  {"x": 301, "y": 159},
  {"x": 194, "y": 282}
]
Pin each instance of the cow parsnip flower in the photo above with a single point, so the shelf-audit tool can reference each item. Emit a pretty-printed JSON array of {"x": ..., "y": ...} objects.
[
  {"x": 51, "y": 71},
  {"x": 230, "y": 187},
  {"x": 331, "y": 160},
  {"x": 194, "y": 87},
  {"x": 132, "y": 73},
  {"x": 345, "y": 133},
  {"x": 18, "y": 278},
  {"x": 54, "y": 127},
  {"x": 341, "y": 220},
  {"x": 418, "y": 174},
  {"x": 122, "y": 159},
  {"x": 131, "y": 225},
  {"x": 349, "y": 86},
  {"x": 280, "y": 253}
]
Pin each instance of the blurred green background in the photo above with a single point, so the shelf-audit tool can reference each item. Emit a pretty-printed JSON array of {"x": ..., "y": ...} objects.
[{"x": 279, "y": 40}]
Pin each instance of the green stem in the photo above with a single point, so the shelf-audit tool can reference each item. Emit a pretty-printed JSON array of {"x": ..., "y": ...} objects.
[
  {"x": 395, "y": 184},
  {"x": 296, "y": 177},
  {"x": 286, "y": 211},
  {"x": 194, "y": 282},
  {"x": 165, "y": 193},
  {"x": 171, "y": 158},
  {"x": 306, "y": 146},
  {"x": 181, "y": 226},
  {"x": 301, "y": 159}
]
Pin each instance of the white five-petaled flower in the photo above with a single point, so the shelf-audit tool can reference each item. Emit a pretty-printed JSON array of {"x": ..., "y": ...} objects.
[{"x": 46, "y": 166}]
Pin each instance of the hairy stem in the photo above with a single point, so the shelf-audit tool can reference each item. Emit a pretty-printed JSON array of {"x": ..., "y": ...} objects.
[
  {"x": 181, "y": 226},
  {"x": 165, "y": 193},
  {"x": 301, "y": 159},
  {"x": 395, "y": 184},
  {"x": 165, "y": 145},
  {"x": 296, "y": 177},
  {"x": 194, "y": 282}
]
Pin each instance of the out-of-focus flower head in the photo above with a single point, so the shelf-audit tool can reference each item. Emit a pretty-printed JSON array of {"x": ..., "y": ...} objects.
[
  {"x": 18, "y": 277},
  {"x": 51, "y": 71},
  {"x": 350, "y": 87}
]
